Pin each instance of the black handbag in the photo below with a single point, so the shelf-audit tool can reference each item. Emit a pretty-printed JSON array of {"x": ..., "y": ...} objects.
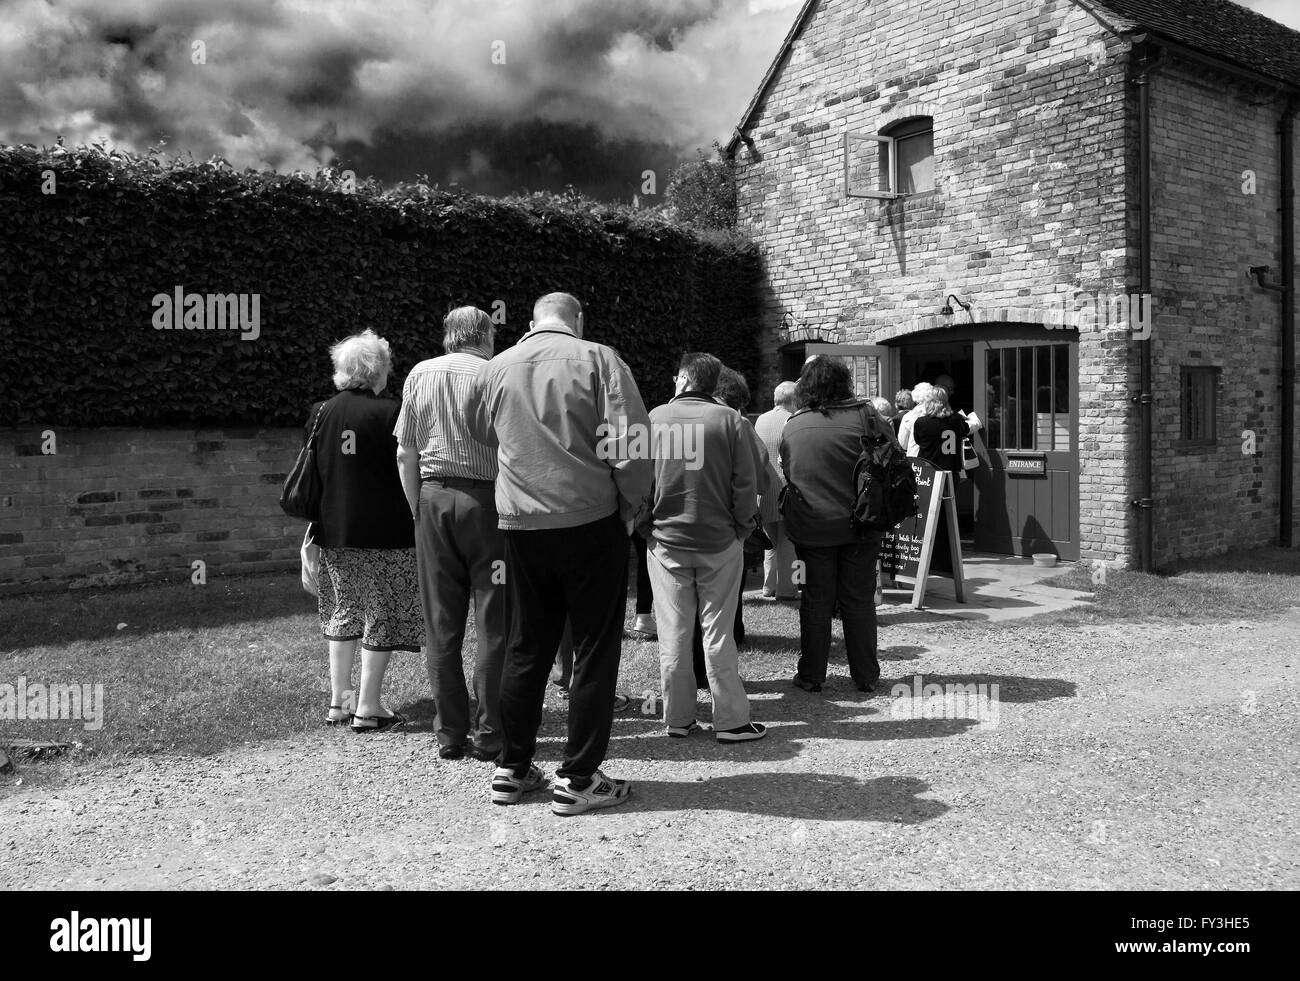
[
  {"x": 301, "y": 495},
  {"x": 756, "y": 545}
]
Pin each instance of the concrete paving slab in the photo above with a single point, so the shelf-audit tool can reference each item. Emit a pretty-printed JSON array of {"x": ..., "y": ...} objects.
[{"x": 997, "y": 587}]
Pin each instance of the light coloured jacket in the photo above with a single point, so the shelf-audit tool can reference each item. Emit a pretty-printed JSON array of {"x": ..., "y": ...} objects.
[
  {"x": 769, "y": 427},
  {"x": 905, "y": 438},
  {"x": 549, "y": 405}
]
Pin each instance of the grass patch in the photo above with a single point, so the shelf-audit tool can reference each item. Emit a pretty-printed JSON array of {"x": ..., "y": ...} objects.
[
  {"x": 199, "y": 668},
  {"x": 1243, "y": 584}
]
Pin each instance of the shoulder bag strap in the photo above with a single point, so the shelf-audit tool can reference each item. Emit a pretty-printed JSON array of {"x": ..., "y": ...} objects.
[{"x": 315, "y": 425}]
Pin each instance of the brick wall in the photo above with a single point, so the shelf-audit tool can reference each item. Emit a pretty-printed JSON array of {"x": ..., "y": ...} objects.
[
  {"x": 1036, "y": 187},
  {"x": 128, "y": 505},
  {"x": 1206, "y": 131}
]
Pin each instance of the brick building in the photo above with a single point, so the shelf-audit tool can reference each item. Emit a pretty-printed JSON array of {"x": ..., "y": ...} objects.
[{"x": 991, "y": 191}]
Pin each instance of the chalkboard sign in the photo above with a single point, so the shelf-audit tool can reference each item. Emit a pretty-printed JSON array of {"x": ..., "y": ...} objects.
[
  {"x": 900, "y": 549},
  {"x": 907, "y": 549}
]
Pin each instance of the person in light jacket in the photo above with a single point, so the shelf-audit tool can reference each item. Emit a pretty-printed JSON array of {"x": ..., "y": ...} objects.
[
  {"x": 563, "y": 413},
  {"x": 778, "y": 562}
]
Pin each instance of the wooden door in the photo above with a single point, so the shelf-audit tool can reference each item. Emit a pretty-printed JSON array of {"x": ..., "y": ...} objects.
[{"x": 1027, "y": 487}]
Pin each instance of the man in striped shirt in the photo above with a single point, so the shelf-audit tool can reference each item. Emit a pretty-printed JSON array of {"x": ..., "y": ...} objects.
[{"x": 449, "y": 476}]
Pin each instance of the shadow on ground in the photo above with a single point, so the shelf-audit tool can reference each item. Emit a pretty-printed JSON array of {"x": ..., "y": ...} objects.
[{"x": 806, "y": 796}]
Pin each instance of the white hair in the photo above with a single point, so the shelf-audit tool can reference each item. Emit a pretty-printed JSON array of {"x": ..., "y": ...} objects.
[
  {"x": 361, "y": 361},
  {"x": 935, "y": 402},
  {"x": 783, "y": 395},
  {"x": 921, "y": 390},
  {"x": 884, "y": 407}
]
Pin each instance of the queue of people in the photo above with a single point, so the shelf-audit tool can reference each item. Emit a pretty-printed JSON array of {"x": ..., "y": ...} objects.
[{"x": 511, "y": 484}]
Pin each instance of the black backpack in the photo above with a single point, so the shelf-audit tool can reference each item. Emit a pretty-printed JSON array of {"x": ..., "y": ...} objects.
[{"x": 884, "y": 485}]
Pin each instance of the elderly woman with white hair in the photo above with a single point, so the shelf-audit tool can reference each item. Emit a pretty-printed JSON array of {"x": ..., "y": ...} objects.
[
  {"x": 937, "y": 434},
  {"x": 369, "y": 592},
  {"x": 905, "y": 439}
]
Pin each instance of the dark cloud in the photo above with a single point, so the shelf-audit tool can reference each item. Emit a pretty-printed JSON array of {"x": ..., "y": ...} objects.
[
  {"x": 490, "y": 158},
  {"x": 591, "y": 93}
]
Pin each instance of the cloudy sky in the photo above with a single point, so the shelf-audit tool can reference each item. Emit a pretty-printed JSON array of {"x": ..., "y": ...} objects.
[{"x": 497, "y": 95}]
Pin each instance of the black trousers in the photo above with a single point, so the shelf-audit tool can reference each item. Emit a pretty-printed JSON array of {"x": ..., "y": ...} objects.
[
  {"x": 575, "y": 574},
  {"x": 562, "y": 673},
  {"x": 645, "y": 597},
  {"x": 457, "y": 544},
  {"x": 847, "y": 574}
]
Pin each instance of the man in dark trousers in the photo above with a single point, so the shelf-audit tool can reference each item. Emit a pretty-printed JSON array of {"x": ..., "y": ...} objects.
[
  {"x": 560, "y": 410},
  {"x": 449, "y": 476}
]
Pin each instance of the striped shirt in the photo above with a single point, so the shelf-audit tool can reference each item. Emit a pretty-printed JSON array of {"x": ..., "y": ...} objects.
[{"x": 435, "y": 400}]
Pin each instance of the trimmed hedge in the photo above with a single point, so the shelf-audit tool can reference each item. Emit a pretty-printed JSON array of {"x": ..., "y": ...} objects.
[{"x": 79, "y": 269}]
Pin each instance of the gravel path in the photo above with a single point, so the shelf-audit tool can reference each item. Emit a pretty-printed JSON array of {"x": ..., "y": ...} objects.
[{"x": 1124, "y": 756}]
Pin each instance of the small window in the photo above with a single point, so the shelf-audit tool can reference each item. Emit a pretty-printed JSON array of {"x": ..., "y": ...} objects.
[
  {"x": 1200, "y": 397},
  {"x": 896, "y": 162}
]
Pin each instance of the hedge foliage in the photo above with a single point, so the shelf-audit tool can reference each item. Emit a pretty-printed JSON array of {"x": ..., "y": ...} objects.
[
  {"x": 79, "y": 269},
  {"x": 702, "y": 192}
]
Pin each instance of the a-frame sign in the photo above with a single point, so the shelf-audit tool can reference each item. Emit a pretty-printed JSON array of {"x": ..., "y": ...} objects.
[{"x": 907, "y": 551}]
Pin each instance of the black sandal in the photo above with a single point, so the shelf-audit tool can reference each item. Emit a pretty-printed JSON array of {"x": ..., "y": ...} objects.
[
  {"x": 382, "y": 722},
  {"x": 346, "y": 720}
]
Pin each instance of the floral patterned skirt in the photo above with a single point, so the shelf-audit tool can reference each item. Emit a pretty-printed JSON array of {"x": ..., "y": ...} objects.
[{"x": 371, "y": 595}]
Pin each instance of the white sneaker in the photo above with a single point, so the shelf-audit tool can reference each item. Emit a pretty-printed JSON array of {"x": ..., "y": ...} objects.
[
  {"x": 603, "y": 791},
  {"x": 508, "y": 788},
  {"x": 645, "y": 624}
]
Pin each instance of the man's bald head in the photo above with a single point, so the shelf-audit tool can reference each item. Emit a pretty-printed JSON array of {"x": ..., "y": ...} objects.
[
  {"x": 783, "y": 395},
  {"x": 558, "y": 308}
]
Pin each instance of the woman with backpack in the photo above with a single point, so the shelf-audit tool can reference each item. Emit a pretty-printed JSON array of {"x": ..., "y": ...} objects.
[{"x": 819, "y": 450}]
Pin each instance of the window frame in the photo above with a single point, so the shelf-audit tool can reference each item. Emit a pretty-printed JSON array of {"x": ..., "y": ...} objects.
[
  {"x": 1209, "y": 374},
  {"x": 901, "y": 130},
  {"x": 890, "y": 195}
]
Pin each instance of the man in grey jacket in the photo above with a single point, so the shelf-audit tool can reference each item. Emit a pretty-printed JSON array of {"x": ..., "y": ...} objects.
[
  {"x": 560, "y": 410},
  {"x": 705, "y": 500}
]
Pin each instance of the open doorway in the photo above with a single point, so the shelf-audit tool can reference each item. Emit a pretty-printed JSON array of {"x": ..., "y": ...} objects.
[{"x": 929, "y": 361}]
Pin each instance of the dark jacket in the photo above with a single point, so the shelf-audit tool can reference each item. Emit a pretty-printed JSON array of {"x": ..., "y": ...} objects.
[
  {"x": 706, "y": 461},
  {"x": 929, "y": 431},
  {"x": 818, "y": 452},
  {"x": 362, "y": 505}
]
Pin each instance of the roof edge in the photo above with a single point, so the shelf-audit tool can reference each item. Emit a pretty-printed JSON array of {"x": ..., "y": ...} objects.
[
  {"x": 770, "y": 75},
  {"x": 1138, "y": 32},
  {"x": 1181, "y": 49}
]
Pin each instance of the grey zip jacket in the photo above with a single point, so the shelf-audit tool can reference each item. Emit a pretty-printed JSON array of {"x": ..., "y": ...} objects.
[{"x": 553, "y": 406}]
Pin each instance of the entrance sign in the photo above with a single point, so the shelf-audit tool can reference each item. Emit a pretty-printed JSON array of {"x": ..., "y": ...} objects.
[
  {"x": 1026, "y": 464},
  {"x": 908, "y": 548}
]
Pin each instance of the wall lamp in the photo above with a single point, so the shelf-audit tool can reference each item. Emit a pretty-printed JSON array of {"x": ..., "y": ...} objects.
[{"x": 947, "y": 311}]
